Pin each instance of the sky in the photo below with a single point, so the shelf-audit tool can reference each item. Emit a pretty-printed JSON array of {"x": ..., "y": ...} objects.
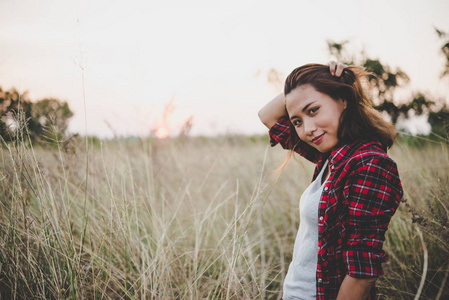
[{"x": 118, "y": 63}]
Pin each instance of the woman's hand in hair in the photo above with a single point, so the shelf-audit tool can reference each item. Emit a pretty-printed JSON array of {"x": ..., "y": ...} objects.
[{"x": 336, "y": 68}]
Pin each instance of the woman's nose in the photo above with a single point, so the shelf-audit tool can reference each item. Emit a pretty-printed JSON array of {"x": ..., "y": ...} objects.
[{"x": 309, "y": 127}]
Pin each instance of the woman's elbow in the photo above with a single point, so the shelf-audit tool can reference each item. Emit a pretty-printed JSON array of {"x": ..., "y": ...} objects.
[{"x": 265, "y": 119}]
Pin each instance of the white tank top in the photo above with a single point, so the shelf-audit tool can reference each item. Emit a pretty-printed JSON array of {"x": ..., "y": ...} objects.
[{"x": 300, "y": 282}]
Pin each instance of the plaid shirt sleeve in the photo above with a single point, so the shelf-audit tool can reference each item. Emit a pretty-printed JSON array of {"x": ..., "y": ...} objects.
[
  {"x": 373, "y": 193},
  {"x": 283, "y": 133}
]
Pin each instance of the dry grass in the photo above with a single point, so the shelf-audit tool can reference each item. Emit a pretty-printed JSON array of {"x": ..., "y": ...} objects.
[{"x": 189, "y": 219}]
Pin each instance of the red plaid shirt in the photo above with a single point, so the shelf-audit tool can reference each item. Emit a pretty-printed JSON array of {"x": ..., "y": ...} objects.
[{"x": 360, "y": 196}]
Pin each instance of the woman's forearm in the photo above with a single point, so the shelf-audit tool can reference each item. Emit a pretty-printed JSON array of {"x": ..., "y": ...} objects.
[
  {"x": 272, "y": 111},
  {"x": 355, "y": 288}
]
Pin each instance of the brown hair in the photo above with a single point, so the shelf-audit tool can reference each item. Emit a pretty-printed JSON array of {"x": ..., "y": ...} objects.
[{"x": 359, "y": 119}]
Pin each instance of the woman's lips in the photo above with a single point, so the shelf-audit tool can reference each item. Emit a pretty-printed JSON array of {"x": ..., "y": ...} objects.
[{"x": 318, "y": 139}]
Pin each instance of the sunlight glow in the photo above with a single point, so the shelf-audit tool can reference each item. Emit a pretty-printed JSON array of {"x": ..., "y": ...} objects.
[{"x": 162, "y": 133}]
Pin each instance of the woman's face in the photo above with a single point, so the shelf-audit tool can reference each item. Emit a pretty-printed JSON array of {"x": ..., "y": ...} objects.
[{"x": 316, "y": 117}]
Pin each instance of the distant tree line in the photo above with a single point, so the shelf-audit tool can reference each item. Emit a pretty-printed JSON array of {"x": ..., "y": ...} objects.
[
  {"x": 384, "y": 80},
  {"x": 43, "y": 121}
]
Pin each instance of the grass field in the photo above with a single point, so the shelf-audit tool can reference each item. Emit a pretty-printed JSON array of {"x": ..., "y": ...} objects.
[{"x": 192, "y": 218}]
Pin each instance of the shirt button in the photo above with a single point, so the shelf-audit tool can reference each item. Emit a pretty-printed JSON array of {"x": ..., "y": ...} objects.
[
  {"x": 321, "y": 218},
  {"x": 320, "y": 280},
  {"x": 326, "y": 188}
]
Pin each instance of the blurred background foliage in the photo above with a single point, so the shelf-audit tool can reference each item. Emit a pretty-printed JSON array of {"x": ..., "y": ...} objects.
[
  {"x": 384, "y": 80},
  {"x": 45, "y": 121}
]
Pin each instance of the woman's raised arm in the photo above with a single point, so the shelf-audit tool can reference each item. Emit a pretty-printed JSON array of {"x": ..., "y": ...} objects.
[{"x": 272, "y": 111}]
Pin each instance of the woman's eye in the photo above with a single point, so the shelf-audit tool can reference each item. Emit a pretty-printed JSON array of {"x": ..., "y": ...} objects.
[
  {"x": 297, "y": 123},
  {"x": 313, "y": 110}
]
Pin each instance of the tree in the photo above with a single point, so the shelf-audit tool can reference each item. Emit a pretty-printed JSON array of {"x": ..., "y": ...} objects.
[
  {"x": 10, "y": 102},
  {"x": 384, "y": 80},
  {"x": 444, "y": 50},
  {"x": 338, "y": 51},
  {"x": 46, "y": 119},
  {"x": 51, "y": 116},
  {"x": 440, "y": 119}
]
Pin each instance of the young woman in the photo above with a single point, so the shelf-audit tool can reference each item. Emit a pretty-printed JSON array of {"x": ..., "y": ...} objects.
[{"x": 326, "y": 117}]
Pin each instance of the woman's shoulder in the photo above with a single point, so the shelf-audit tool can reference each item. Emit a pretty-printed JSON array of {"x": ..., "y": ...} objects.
[
  {"x": 365, "y": 152},
  {"x": 369, "y": 169},
  {"x": 366, "y": 148}
]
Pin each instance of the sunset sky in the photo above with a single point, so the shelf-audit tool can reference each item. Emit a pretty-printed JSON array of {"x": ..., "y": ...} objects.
[{"x": 212, "y": 57}]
